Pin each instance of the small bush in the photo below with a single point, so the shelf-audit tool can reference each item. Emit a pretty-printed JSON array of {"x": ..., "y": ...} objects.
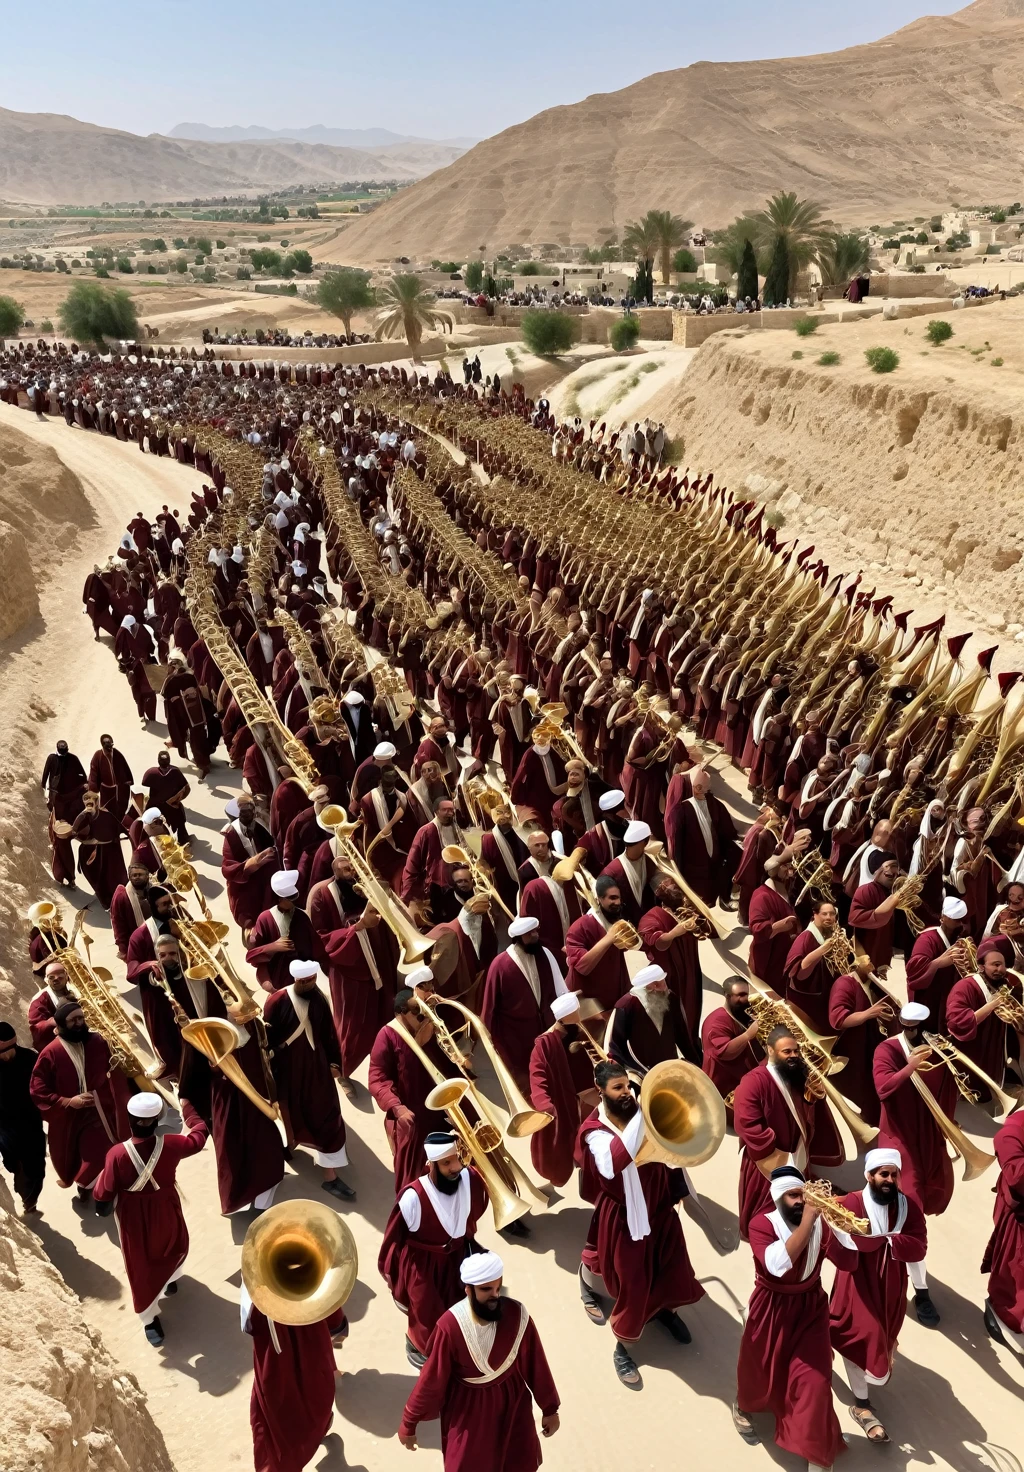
[
  {"x": 938, "y": 332},
  {"x": 684, "y": 261},
  {"x": 882, "y": 360},
  {"x": 46, "y": 325},
  {"x": 529, "y": 268},
  {"x": 997, "y": 362},
  {"x": 624, "y": 334},
  {"x": 828, "y": 360},
  {"x": 804, "y": 326},
  {"x": 797, "y": 353},
  {"x": 548, "y": 333},
  {"x": 921, "y": 238},
  {"x": 243, "y": 274},
  {"x": 12, "y": 316},
  {"x": 102, "y": 271}
]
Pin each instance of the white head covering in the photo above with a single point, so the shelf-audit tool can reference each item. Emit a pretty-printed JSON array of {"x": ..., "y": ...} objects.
[
  {"x": 280, "y": 521},
  {"x": 481, "y": 1267},
  {"x": 145, "y": 1106},
  {"x": 353, "y": 697},
  {"x": 285, "y": 883},
  {"x": 152, "y": 815},
  {"x": 385, "y": 750},
  {"x": 779, "y": 1185},
  {"x": 636, "y": 832},
  {"x": 875, "y": 1159},
  {"x": 523, "y": 925},
  {"x": 609, "y": 801},
  {"x": 302, "y": 970},
  {"x": 646, "y": 976},
  {"x": 128, "y": 622},
  {"x": 914, "y": 1012},
  {"x": 418, "y": 976},
  {"x": 564, "y": 1006},
  {"x": 231, "y": 808},
  {"x": 953, "y": 909},
  {"x": 436, "y": 1146}
]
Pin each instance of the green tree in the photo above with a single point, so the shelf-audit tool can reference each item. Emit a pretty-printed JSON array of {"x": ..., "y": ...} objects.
[
  {"x": 776, "y": 285},
  {"x": 302, "y": 261},
  {"x": 408, "y": 310},
  {"x": 343, "y": 293},
  {"x": 684, "y": 261},
  {"x": 548, "y": 333},
  {"x": 746, "y": 276},
  {"x": 12, "y": 315},
  {"x": 204, "y": 245},
  {"x": 474, "y": 275},
  {"x": 92, "y": 313},
  {"x": 669, "y": 231},
  {"x": 266, "y": 260},
  {"x": 796, "y": 222},
  {"x": 842, "y": 257},
  {"x": 642, "y": 285},
  {"x": 640, "y": 240},
  {"x": 624, "y": 334}
]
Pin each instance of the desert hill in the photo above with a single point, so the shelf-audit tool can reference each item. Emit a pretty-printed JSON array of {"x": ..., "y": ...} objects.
[
  {"x": 928, "y": 116},
  {"x": 46, "y": 158},
  {"x": 365, "y": 138}
]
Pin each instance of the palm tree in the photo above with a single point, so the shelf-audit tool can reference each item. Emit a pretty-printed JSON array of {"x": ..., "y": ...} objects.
[
  {"x": 841, "y": 257},
  {"x": 730, "y": 244},
  {"x": 640, "y": 239},
  {"x": 407, "y": 310},
  {"x": 670, "y": 232},
  {"x": 797, "y": 221}
]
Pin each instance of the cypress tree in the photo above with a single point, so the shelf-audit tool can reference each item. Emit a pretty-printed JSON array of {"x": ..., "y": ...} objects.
[
  {"x": 776, "y": 286},
  {"x": 746, "y": 281}
]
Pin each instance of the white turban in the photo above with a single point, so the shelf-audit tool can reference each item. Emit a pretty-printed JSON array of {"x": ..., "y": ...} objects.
[
  {"x": 145, "y": 1106},
  {"x": 353, "y": 697},
  {"x": 231, "y": 808},
  {"x": 914, "y": 1012},
  {"x": 646, "y": 976},
  {"x": 953, "y": 909},
  {"x": 152, "y": 815},
  {"x": 280, "y": 521},
  {"x": 302, "y": 970},
  {"x": 481, "y": 1267},
  {"x": 636, "y": 832},
  {"x": 419, "y": 976},
  {"x": 285, "y": 883},
  {"x": 384, "y": 750},
  {"x": 609, "y": 801},
  {"x": 790, "y": 1181},
  {"x": 564, "y": 1005},
  {"x": 523, "y": 925},
  {"x": 437, "y": 1145},
  {"x": 875, "y": 1159},
  {"x": 128, "y": 622}
]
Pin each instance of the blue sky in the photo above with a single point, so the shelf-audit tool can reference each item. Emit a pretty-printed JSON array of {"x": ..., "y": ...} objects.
[{"x": 149, "y": 65}]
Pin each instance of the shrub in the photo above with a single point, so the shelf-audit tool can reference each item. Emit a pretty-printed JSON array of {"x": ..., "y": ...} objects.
[
  {"x": 938, "y": 332},
  {"x": 998, "y": 217},
  {"x": 181, "y": 265},
  {"x": 46, "y": 325},
  {"x": 102, "y": 271},
  {"x": 829, "y": 359},
  {"x": 882, "y": 360},
  {"x": 179, "y": 242},
  {"x": 997, "y": 362},
  {"x": 547, "y": 333},
  {"x": 221, "y": 244},
  {"x": 890, "y": 244},
  {"x": 204, "y": 245},
  {"x": 921, "y": 238},
  {"x": 804, "y": 326},
  {"x": 624, "y": 334},
  {"x": 684, "y": 261},
  {"x": 302, "y": 261},
  {"x": 209, "y": 274},
  {"x": 12, "y": 315},
  {"x": 92, "y": 313},
  {"x": 124, "y": 265},
  {"x": 474, "y": 275},
  {"x": 447, "y": 267},
  {"x": 243, "y": 274},
  {"x": 797, "y": 353},
  {"x": 530, "y": 268}
]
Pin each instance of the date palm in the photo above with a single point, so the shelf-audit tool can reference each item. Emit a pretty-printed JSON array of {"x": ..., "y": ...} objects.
[
  {"x": 799, "y": 223},
  {"x": 640, "y": 239},
  {"x": 670, "y": 232},
  {"x": 408, "y": 310},
  {"x": 841, "y": 257}
]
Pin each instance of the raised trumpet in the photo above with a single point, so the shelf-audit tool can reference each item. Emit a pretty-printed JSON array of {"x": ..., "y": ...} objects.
[{"x": 454, "y": 853}]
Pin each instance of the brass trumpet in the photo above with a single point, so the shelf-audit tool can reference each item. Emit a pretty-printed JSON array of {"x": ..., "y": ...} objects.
[
  {"x": 816, "y": 872},
  {"x": 454, "y": 853},
  {"x": 1010, "y": 1009},
  {"x": 389, "y": 907},
  {"x": 299, "y": 1262},
  {"x": 821, "y": 1195},
  {"x": 476, "y": 1145},
  {"x": 948, "y": 1053},
  {"x": 217, "y": 1038},
  {"x": 683, "y": 1113}
]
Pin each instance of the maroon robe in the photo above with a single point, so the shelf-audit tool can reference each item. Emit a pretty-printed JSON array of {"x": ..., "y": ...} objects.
[
  {"x": 484, "y": 1426},
  {"x": 249, "y": 893},
  {"x": 398, "y": 1079},
  {"x": 306, "y": 1090},
  {"x": 288, "y": 801},
  {"x": 682, "y": 963},
  {"x": 647, "y": 1276},
  {"x": 609, "y": 979},
  {"x": 248, "y": 1145},
  {"x": 785, "y": 1361},
  {"x": 293, "y": 1388},
  {"x": 100, "y": 858},
  {"x": 150, "y": 1221},
  {"x": 721, "y": 1028},
  {"x": 934, "y": 992},
  {"x": 868, "y": 1305},
  {"x": 636, "y": 1042},
  {"x": 164, "y": 1032},
  {"x": 42, "y": 1026},
  {"x": 711, "y": 875},
  {"x": 759, "y": 843},
  {"x": 513, "y": 1016},
  {"x": 1004, "y": 1255},
  {"x": 538, "y": 901},
  {"x": 389, "y": 856},
  {"x": 167, "y": 790},
  {"x": 111, "y": 777},
  {"x": 768, "y": 952},
  {"x": 532, "y": 784},
  {"x": 633, "y": 908},
  {"x": 557, "y": 1078},
  {"x": 856, "y": 1044},
  {"x": 272, "y": 967},
  {"x": 421, "y": 1267},
  {"x": 907, "y": 1125},
  {"x": 361, "y": 1001},
  {"x": 471, "y": 967},
  {"x": 424, "y": 868},
  {"x": 985, "y": 1042},
  {"x": 78, "y": 1139},
  {"x": 123, "y": 919},
  {"x": 506, "y": 883},
  {"x": 600, "y": 847},
  {"x": 765, "y": 1123},
  {"x": 511, "y": 747},
  {"x": 875, "y": 936},
  {"x": 810, "y": 993}
]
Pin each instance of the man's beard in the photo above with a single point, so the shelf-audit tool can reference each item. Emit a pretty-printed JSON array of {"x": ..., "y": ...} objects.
[
  {"x": 616, "y": 826},
  {"x": 74, "y": 1034},
  {"x": 655, "y": 1004},
  {"x": 794, "y": 1071},
  {"x": 447, "y": 1185},
  {"x": 489, "y": 1312},
  {"x": 464, "y": 894},
  {"x": 792, "y": 1214},
  {"x": 741, "y": 1012},
  {"x": 612, "y": 912},
  {"x": 531, "y": 947},
  {"x": 624, "y": 1107},
  {"x": 885, "y": 1193}
]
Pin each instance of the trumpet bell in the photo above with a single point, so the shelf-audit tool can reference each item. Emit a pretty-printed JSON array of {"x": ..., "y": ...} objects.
[
  {"x": 684, "y": 1114},
  {"x": 333, "y": 818},
  {"x": 42, "y": 912},
  {"x": 211, "y": 932},
  {"x": 452, "y": 853},
  {"x": 527, "y": 1122},
  {"x": 299, "y": 1262},
  {"x": 102, "y": 974}
]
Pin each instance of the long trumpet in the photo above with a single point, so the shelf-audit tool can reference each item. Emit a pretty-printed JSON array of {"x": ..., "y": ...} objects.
[
  {"x": 524, "y": 1119},
  {"x": 476, "y": 1146},
  {"x": 389, "y": 907},
  {"x": 817, "y": 874},
  {"x": 948, "y": 1054},
  {"x": 1010, "y": 1009},
  {"x": 657, "y": 852},
  {"x": 976, "y": 1161},
  {"x": 217, "y": 1038},
  {"x": 454, "y": 853},
  {"x": 821, "y": 1195},
  {"x": 551, "y": 728}
]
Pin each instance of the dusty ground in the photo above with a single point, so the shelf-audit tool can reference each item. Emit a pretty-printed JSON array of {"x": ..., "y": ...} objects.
[{"x": 955, "y": 1400}]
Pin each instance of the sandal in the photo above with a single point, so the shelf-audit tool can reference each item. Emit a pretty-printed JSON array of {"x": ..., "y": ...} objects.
[
  {"x": 625, "y": 1368},
  {"x": 869, "y": 1424},
  {"x": 591, "y": 1302},
  {"x": 744, "y": 1426}
]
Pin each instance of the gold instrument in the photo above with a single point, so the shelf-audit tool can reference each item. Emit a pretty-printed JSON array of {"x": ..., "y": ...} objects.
[
  {"x": 969, "y": 951},
  {"x": 197, "y": 939},
  {"x": 626, "y": 936},
  {"x": 587, "y": 1043},
  {"x": 841, "y": 952},
  {"x": 551, "y": 731},
  {"x": 816, "y": 872},
  {"x": 948, "y": 1054},
  {"x": 657, "y": 852},
  {"x": 217, "y": 1038},
  {"x": 299, "y": 1262},
  {"x": 390, "y": 908},
  {"x": 567, "y": 869},
  {"x": 454, "y": 853},
  {"x": 1010, "y": 1009},
  {"x": 683, "y": 1113},
  {"x": 976, "y": 1161},
  {"x": 476, "y": 1145},
  {"x": 821, "y": 1195},
  {"x": 908, "y": 887}
]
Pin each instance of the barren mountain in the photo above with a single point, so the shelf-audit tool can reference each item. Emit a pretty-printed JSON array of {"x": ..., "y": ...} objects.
[
  {"x": 46, "y": 158},
  {"x": 372, "y": 138},
  {"x": 929, "y": 116}
]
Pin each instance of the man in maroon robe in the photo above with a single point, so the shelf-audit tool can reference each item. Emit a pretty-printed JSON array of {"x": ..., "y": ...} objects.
[
  {"x": 595, "y": 948},
  {"x": 142, "y": 942},
  {"x": 135, "y": 650},
  {"x": 306, "y": 1063},
  {"x": 808, "y": 980},
  {"x": 778, "y": 1125},
  {"x": 555, "y": 907},
  {"x": 186, "y": 715},
  {"x": 971, "y": 1019},
  {"x": 431, "y": 1229},
  {"x": 426, "y": 874},
  {"x": 511, "y": 720},
  {"x": 702, "y": 842},
  {"x": 762, "y": 840},
  {"x": 363, "y": 970},
  {"x": 873, "y": 911},
  {"x": 485, "y": 1369},
  {"x": 139, "y": 1179},
  {"x": 973, "y": 873},
  {"x": 82, "y": 1098},
  {"x": 856, "y": 1016},
  {"x": 648, "y": 1025},
  {"x": 385, "y": 810},
  {"x": 785, "y": 1360},
  {"x": 464, "y": 949},
  {"x": 100, "y": 859},
  {"x": 635, "y": 1250},
  {"x": 249, "y": 859},
  {"x": 168, "y": 789},
  {"x": 283, "y": 933},
  {"x": 521, "y": 984},
  {"x": 43, "y": 1006},
  {"x": 672, "y": 943},
  {"x": 1004, "y": 1255},
  {"x": 402, "y": 1074},
  {"x": 63, "y": 783},
  {"x": 538, "y": 781},
  {"x": 936, "y": 961},
  {"x": 868, "y": 1305},
  {"x": 773, "y": 925},
  {"x": 111, "y": 776},
  {"x": 292, "y": 1401},
  {"x": 728, "y": 1038},
  {"x": 604, "y": 841},
  {"x": 562, "y": 1085},
  {"x": 503, "y": 851},
  {"x": 170, "y": 1000},
  {"x": 129, "y": 907}
]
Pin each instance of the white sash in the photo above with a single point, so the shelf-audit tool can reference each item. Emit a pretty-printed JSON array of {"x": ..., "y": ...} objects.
[
  {"x": 472, "y": 927},
  {"x": 451, "y": 1211},
  {"x": 799, "y": 1158},
  {"x": 506, "y": 853},
  {"x": 283, "y": 920},
  {"x": 877, "y": 1213},
  {"x": 583, "y": 797},
  {"x": 599, "y": 1142},
  {"x": 247, "y": 842},
  {"x": 783, "y": 1232},
  {"x": 302, "y": 1013},
  {"x": 145, "y": 1168},
  {"x": 707, "y": 832},
  {"x": 136, "y": 904},
  {"x": 636, "y": 881},
  {"x": 478, "y": 1342},
  {"x": 555, "y": 891},
  {"x": 76, "y": 1052}
]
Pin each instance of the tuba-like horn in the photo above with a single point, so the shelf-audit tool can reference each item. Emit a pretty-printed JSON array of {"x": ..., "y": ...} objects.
[
  {"x": 476, "y": 1145},
  {"x": 217, "y": 1038},
  {"x": 683, "y": 1112},
  {"x": 299, "y": 1262}
]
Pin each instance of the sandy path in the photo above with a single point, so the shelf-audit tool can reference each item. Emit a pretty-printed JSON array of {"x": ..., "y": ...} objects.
[{"x": 956, "y": 1398}]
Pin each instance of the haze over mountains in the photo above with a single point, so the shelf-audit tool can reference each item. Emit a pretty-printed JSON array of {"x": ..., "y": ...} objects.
[
  {"x": 930, "y": 116},
  {"x": 47, "y": 158},
  {"x": 318, "y": 133}
]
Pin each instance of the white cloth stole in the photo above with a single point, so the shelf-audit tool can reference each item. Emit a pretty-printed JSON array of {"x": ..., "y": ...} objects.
[
  {"x": 153, "y": 926},
  {"x": 638, "y": 621},
  {"x": 506, "y": 853},
  {"x": 798, "y": 746},
  {"x": 54, "y": 997},
  {"x": 586, "y": 804},
  {"x": 76, "y": 1052},
  {"x": 986, "y": 990},
  {"x": 245, "y": 1305},
  {"x": 805, "y": 791},
  {"x": 145, "y": 1168},
  {"x": 877, "y": 1213},
  {"x": 599, "y": 915},
  {"x": 302, "y": 1013},
  {"x": 550, "y": 775},
  {"x": 555, "y": 891},
  {"x": 700, "y": 807},
  {"x": 799, "y": 1159},
  {"x": 857, "y": 857},
  {"x": 777, "y": 1259},
  {"x": 636, "y": 875},
  {"x": 380, "y": 809},
  {"x": 761, "y": 716},
  {"x": 528, "y": 966},
  {"x": 199, "y": 994},
  {"x": 247, "y": 842},
  {"x": 815, "y": 934},
  {"x": 599, "y": 1143},
  {"x": 283, "y": 920},
  {"x": 516, "y": 716},
  {"x": 136, "y": 904},
  {"x": 479, "y": 1339},
  {"x": 472, "y": 927},
  {"x": 365, "y": 944},
  {"x": 451, "y": 1211},
  {"x": 961, "y": 855}
]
